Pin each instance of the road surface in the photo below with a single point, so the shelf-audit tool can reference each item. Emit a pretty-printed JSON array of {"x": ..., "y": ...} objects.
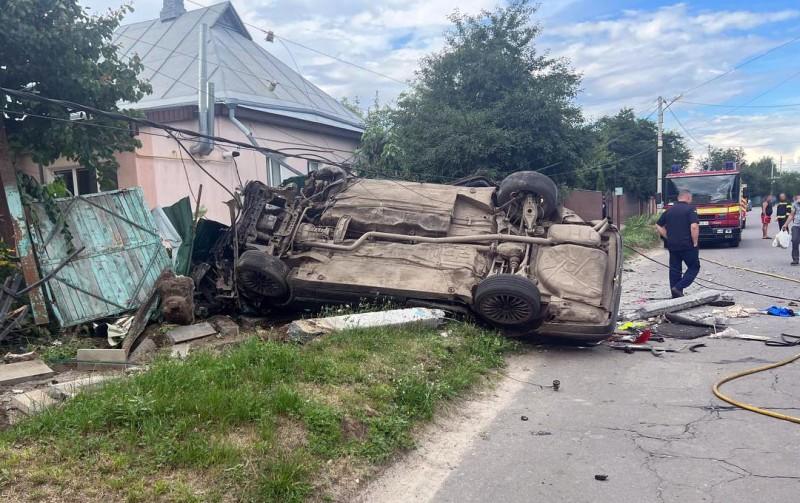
[{"x": 650, "y": 424}]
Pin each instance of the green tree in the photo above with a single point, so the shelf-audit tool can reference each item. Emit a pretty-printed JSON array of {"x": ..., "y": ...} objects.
[
  {"x": 379, "y": 153},
  {"x": 757, "y": 176},
  {"x": 717, "y": 157},
  {"x": 54, "y": 48},
  {"x": 489, "y": 102},
  {"x": 624, "y": 155},
  {"x": 788, "y": 182}
]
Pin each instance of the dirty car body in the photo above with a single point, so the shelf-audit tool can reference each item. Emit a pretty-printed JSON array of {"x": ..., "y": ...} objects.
[{"x": 508, "y": 254}]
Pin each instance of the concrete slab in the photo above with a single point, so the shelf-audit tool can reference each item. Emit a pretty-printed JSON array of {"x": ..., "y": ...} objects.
[
  {"x": 190, "y": 332},
  {"x": 181, "y": 350},
  {"x": 305, "y": 330},
  {"x": 89, "y": 359},
  {"x": 11, "y": 373},
  {"x": 33, "y": 401}
]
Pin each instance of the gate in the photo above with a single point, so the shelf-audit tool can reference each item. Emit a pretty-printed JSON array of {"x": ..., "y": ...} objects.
[{"x": 120, "y": 254}]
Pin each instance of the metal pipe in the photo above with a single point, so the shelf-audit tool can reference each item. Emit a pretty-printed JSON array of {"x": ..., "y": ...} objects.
[
  {"x": 386, "y": 236},
  {"x": 204, "y": 145},
  {"x": 601, "y": 223},
  {"x": 249, "y": 134},
  {"x": 603, "y": 228}
]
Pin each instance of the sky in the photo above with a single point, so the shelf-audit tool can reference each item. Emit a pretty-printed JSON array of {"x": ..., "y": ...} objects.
[{"x": 628, "y": 53}]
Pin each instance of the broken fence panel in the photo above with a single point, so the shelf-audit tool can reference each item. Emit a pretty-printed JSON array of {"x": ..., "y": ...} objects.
[{"x": 122, "y": 257}]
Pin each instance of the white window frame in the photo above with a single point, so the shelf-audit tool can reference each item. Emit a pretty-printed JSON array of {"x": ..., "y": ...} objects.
[
  {"x": 313, "y": 166},
  {"x": 74, "y": 171}
]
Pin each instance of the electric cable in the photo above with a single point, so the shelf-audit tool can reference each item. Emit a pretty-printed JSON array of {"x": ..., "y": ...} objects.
[
  {"x": 165, "y": 127},
  {"x": 746, "y": 406},
  {"x": 712, "y": 282},
  {"x": 690, "y": 135}
]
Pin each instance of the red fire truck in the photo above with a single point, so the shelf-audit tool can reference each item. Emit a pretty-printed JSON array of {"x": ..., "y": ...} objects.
[{"x": 718, "y": 196}]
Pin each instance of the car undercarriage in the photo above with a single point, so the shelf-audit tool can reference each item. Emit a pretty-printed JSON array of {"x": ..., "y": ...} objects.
[{"x": 508, "y": 254}]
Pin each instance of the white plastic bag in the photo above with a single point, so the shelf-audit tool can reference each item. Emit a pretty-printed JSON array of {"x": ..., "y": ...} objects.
[{"x": 782, "y": 240}]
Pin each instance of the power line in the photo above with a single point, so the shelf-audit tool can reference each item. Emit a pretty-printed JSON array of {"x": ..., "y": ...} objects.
[
  {"x": 690, "y": 135},
  {"x": 317, "y": 51},
  {"x": 719, "y": 105},
  {"x": 165, "y": 127},
  {"x": 742, "y": 64}
]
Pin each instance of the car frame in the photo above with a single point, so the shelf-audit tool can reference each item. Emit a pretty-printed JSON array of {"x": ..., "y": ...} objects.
[{"x": 507, "y": 254}]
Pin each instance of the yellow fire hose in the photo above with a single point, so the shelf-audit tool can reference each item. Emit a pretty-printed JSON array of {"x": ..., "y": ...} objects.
[{"x": 749, "y": 407}]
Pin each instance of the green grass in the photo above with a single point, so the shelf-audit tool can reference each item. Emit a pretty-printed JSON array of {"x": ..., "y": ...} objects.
[
  {"x": 640, "y": 232},
  {"x": 266, "y": 421}
]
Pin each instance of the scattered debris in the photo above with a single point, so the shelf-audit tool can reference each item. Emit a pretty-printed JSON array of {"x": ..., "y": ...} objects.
[
  {"x": 190, "y": 332},
  {"x": 601, "y": 477},
  {"x": 556, "y": 384},
  {"x": 177, "y": 298},
  {"x": 783, "y": 312},
  {"x": 91, "y": 358},
  {"x": 541, "y": 433},
  {"x": 672, "y": 305},
  {"x": 524, "y": 418},
  {"x": 731, "y": 333},
  {"x": 181, "y": 351},
  {"x": 20, "y": 357},
  {"x": 306, "y": 330},
  {"x": 12, "y": 373},
  {"x": 225, "y": 326},
  {"x": 737, "y": 311},
  {"x": 35, "y": 401}
]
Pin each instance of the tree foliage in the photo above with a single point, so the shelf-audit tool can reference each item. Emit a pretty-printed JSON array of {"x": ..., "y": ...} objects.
[
  {"x": 488, "y": 102},
  {"x": 55, "y": 48},
  {"x": 624, "y": 154}
]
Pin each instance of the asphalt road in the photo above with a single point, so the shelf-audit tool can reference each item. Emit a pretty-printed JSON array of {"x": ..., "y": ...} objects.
[{"x": 650, "y": 424}]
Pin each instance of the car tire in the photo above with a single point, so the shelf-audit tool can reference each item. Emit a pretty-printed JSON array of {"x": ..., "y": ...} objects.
[
  {"x": 262, "y": 276},
  {"x": 534, "y": 183},
  {"x": 507, "y": 300}
]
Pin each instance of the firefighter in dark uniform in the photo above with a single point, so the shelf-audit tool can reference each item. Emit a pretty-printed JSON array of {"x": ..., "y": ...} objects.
[{"x": 782, "y": 209}]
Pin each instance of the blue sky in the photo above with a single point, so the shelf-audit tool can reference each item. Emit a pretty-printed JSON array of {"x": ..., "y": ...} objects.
[{"x": 629, "y": 52}]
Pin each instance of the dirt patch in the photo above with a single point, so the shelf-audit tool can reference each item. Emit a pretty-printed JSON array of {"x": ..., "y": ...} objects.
[
  {"x": 291, "y": 434},
  {"x": 353, "y": 429}
]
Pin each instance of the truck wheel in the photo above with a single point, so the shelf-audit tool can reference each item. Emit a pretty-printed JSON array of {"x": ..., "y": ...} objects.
[
  {"x": 533, "y": 183},
  {"x": 261, "y": 275},
  {"x": 507, "y": 300}
]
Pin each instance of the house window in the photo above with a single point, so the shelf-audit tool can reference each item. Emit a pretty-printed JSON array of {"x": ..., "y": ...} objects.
[
  {"x": 313, "y": 166},
  {"x": 79, "y": 181},
  {"x": 275, "y": 176}
]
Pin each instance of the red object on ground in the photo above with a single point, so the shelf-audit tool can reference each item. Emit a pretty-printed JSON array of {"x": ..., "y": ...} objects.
[{"x": 644, "y": 336}]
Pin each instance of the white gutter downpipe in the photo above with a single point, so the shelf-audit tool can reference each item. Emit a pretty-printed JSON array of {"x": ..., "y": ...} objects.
[
  {"x": 249, "y": 134},
  {"x": 205, "y": 97}
]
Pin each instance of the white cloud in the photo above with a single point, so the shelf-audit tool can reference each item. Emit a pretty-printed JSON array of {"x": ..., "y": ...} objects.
[{"x": 626, "y": 60}]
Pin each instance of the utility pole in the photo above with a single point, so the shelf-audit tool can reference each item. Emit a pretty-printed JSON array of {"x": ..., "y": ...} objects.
[{"x": 659, "y": 195}]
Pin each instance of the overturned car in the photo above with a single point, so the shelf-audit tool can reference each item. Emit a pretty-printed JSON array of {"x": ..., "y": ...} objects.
[{"x": 508, "y": 253}]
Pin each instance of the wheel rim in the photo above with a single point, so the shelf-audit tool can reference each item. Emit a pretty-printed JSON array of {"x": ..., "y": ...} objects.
[
  {"x": 262, "y": 284},
  {"x": 506, "y": 309}
]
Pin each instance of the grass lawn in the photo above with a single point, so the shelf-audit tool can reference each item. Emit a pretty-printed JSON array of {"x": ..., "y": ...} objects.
[
  {"x": 640, "y": 233},
  {"x": 266, "y": 421}
]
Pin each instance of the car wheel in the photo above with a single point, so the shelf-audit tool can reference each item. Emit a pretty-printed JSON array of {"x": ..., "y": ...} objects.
[
  {"x": 262, "y": 275},
  {"x": 533, "y": 183},
  {"x": 507, "y": 300}
]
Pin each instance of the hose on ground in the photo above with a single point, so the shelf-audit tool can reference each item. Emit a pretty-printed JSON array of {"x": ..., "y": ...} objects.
[{"x": 753, "y": 408}]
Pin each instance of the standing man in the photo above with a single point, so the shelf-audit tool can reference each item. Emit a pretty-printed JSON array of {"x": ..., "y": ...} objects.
[
  {"x": 680, "y": 226},
  {"x": 782, "y": 209},
  {"x": 766, "y": 215},
  {"x": 794, "y": 223}
]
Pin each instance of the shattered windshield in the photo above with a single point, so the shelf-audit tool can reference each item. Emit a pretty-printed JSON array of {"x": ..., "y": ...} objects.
[{"x": 705, "y": 189}]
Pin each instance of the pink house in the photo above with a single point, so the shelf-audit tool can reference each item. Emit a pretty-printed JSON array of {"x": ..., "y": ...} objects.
[{"x": 208, "y": 74}]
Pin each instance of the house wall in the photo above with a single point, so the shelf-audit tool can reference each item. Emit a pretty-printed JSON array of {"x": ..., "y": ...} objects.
[{"x": 167, "y": 174}]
